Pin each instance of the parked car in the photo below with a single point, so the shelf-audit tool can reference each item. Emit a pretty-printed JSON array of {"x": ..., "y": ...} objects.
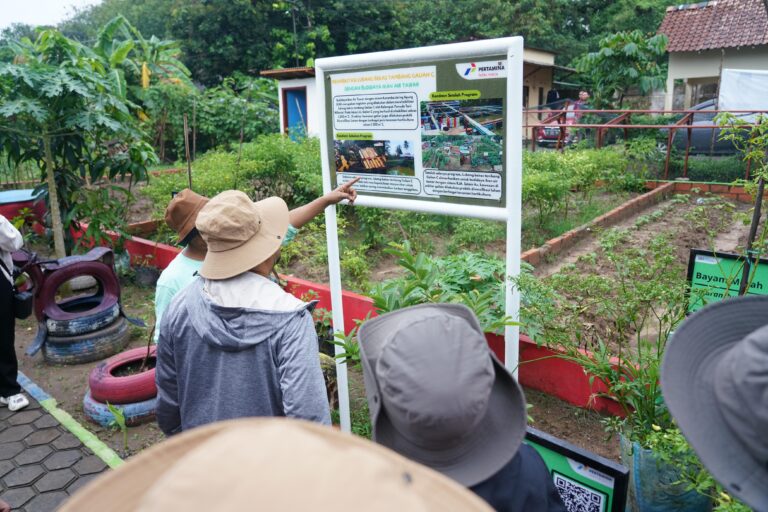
[
  {"x": 548, "y": 134},
  {"x": 704, "y": 141}
]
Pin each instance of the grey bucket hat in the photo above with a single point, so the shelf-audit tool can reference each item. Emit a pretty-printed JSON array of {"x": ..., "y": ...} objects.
[
  {"x": 714, "y": 378},
  {"x": 437, "y": 395}
]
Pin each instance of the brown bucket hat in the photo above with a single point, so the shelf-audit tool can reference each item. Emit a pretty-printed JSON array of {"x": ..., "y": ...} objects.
[
  {"x": 271, "y": 464},
  {"x": 438, "y": 395},
  {"x": 714, "y": 378},
  {"x": 181, "y": 213},
  {"x": 240, "y": 233}
]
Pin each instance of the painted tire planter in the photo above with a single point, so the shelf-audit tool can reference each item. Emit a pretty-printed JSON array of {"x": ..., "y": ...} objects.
[
  {"x": 94, "y": 313},
  {"x": 106, "y": 387},
  {"x": 652, "y": 486},
  {"x": 109, "y": 288},
  {"x": 89, "y": 347},
  {"x": 135, "y": 413}
]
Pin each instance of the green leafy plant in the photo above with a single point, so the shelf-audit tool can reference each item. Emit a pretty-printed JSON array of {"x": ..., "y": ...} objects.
[
  {"x": 104, "y": 210},
  {"x": 470, "y": 279},
  {"x": 119, "y": 422},
  {"x": 615, "y": 326},
  {"x": 65, "y": 107},
  {"x": 624, "y": 60},
  {"x": 671, "y": 447}
]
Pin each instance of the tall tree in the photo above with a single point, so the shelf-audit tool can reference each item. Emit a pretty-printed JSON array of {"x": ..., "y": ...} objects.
[
  {"x": 62, "y": 107},
  {"x": 150, "y": 17},
  {"x": 624, "y": 60}
]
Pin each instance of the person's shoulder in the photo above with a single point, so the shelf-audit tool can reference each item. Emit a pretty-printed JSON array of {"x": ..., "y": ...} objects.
[
  {"x": 179, "y": 272},
  {"x": 183, "y": 300}
]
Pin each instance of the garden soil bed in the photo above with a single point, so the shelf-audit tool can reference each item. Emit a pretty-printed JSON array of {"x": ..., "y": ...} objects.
[{"x": 582, "y": 428}]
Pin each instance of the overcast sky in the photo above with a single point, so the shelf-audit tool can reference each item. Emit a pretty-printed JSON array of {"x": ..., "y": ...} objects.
[{"x": 38, "y": 12}]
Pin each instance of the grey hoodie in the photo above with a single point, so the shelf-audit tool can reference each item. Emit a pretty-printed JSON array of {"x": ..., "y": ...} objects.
[{"x": 216, "y": 363}]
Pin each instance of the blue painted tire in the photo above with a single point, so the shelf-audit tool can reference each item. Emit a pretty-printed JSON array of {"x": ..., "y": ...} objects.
[
  {"x": 89, "y": 347},
  {"x": 135, "y": 413},
  {"x": 97, "y": 314}
]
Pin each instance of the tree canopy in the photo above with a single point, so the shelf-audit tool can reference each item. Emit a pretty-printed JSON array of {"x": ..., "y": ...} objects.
[
  {"x": 624, "y": 60},
  {"x": 219, "y": 37}
]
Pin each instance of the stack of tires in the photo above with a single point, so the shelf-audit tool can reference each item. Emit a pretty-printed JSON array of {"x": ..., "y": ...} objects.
[
  {"x": 87, "y": 328},
  {"x": 135, "y": 393}
]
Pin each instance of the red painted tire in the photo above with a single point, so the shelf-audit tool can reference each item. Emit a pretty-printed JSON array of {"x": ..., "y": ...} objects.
[
  {"x": 105, "y": 387},
  {"x": 109, "y": 288}
]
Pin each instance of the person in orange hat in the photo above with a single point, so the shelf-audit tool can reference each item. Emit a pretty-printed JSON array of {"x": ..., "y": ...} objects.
[{"x": 181, "y": 215}]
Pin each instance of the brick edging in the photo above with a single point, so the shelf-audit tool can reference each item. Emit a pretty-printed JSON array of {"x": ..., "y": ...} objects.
[
  {"x": 736, "y": 192},
  {"x": 570, "y": 238}
]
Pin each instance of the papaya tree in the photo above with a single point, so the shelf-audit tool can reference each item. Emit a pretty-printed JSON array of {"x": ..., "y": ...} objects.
[{"x": 64, "y": 107}]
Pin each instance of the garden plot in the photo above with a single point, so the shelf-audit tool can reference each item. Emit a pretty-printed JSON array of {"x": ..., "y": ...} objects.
[
  {"x": 682, "y": 222},
  {"x": 592, "y": 292}
]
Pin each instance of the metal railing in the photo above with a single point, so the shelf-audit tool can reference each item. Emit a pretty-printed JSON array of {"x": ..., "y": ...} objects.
[{"x": 566, "y": 119}]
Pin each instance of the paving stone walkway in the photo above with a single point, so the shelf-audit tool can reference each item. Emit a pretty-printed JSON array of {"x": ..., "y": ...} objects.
[{"x": 41, "y": 463}]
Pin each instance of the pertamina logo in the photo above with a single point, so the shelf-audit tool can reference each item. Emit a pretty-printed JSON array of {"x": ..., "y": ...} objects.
[{"x": 482, "y": 70}]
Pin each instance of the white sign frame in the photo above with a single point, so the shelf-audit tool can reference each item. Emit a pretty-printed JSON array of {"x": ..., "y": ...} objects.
[{"x": 511, "y": 213}]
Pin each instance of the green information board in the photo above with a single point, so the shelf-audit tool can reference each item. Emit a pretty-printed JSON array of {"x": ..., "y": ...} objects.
[
  {"x": 715, "y": 275},
  {"x": 586, "y": 481}
]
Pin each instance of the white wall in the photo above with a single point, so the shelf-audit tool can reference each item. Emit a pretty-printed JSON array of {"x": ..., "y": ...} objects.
[
  {"x": 313, "y": 123},
  {"x": 689, "y": 66}
]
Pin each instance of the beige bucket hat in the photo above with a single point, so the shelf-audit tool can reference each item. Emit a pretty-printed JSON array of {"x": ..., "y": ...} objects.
[
  {"x": 240, "y": 233},
  {"x": 271, "y": 464}
]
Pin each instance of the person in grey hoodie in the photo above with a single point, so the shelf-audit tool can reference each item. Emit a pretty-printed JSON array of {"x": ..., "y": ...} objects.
[{"x": 233, "y": 343}]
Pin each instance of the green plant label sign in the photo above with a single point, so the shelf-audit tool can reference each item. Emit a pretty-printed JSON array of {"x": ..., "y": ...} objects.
[
  {"x": 584, "y": 480},
  {"x": 435, "y": 130},
  {"x": 716, "y": 275}
]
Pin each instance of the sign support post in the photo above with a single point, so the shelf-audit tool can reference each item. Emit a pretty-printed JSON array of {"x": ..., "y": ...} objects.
[{"x": 432, "y": 130}]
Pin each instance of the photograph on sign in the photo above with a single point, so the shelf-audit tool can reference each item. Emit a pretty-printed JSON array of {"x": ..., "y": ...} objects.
[
  {"x": 585, "y": 481},
  {"x": 430, "y": 131},
  {"x": 713, "y": 276}
]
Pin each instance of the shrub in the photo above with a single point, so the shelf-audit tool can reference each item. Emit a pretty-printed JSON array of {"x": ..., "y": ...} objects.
[
  {"x": 476, "y": 234},
  {"x": 703, "y": 168},
  {"x": 272, "y": 165}
]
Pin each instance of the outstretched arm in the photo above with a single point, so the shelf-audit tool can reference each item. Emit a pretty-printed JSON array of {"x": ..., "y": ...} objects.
[{"x": 303, "y": 214}]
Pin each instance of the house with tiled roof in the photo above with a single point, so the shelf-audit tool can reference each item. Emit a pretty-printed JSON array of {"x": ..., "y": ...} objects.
[{"x": 707, "y": 37}]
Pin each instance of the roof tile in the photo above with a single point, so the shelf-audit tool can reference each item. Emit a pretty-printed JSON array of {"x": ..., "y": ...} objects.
[{"x": 715, "y": 24}]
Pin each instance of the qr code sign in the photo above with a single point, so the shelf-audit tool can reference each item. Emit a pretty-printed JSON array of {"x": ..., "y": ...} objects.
[{"x": 577, "y": 496}]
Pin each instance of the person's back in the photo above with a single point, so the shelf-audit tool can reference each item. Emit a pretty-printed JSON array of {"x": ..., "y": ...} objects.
[
  {"x": 233, "y": 361},
  {"x": 233, "y": 343},
  {"x": 523, "y": 484},
  {"x": 437, "y": 395}
]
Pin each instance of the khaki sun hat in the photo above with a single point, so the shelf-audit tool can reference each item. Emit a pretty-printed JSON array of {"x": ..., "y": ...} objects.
[
  {"x": 438, "y": 395},
  {"x": 714, "y": 378},
  {"x": 240, "y": 233},
  {"x": 271, "y": 464},
  {"x": 182, "y": 212}
]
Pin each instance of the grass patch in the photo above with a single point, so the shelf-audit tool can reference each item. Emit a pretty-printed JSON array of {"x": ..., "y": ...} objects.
[{"x": 580, "y": 212}]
